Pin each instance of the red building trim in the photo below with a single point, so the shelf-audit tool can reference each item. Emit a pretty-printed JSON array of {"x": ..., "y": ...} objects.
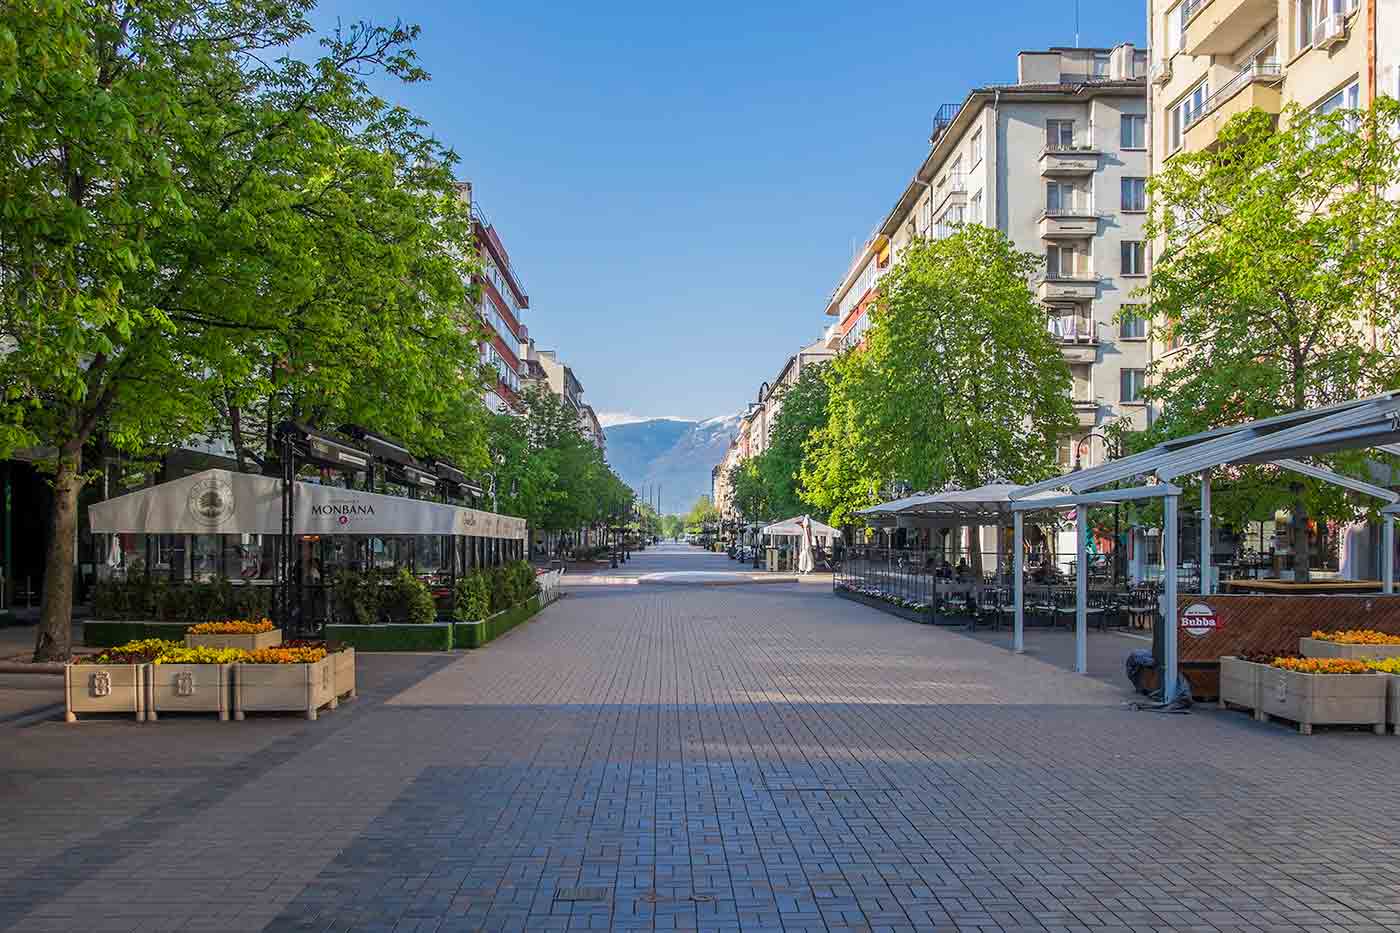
[{"x": 487, "y": 235}]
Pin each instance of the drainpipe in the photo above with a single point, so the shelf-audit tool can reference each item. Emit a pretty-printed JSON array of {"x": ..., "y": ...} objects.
[
  {"x": 1148, "y": 246},
  {"x": 994, "y": 157}
]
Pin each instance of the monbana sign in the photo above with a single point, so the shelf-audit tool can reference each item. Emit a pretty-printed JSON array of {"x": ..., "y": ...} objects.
[{"x": 341, "y": 508}]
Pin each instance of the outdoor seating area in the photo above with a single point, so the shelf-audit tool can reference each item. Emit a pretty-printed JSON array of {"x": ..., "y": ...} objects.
[{"x": 1194, "y": 614}]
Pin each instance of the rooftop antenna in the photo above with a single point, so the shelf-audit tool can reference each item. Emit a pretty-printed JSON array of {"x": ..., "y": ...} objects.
[{"x": 1076, "y": 24}]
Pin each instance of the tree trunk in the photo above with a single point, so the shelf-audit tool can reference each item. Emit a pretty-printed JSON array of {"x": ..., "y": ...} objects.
[
  {"x": 235, "y": 429},
  {"x": 1302, "y": 554},
  {"x": 974, "y": 550},
  {"x": 54, "y": 640}
]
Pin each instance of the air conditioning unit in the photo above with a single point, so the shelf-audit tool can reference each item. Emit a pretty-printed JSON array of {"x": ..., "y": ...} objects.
[
  {"x": 1330, "y": 31},
  {"x": 1162, "y": 71}
]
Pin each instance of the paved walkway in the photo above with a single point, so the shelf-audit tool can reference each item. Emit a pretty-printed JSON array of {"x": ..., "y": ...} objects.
[{"x": 676, "y": 757}]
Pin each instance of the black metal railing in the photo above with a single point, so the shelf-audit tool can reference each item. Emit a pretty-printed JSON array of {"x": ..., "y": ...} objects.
[{"x": 943, "y": 117}]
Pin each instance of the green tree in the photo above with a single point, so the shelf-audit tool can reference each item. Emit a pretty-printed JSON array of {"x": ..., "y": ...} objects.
[
  {"x": 701, "y": 513},
  {"x": 672, "y": 526},
  {"x": 1276, "y": 284},
  {"x": 189, "y": 222},
  {"x": 751, "y": 494},
  {"x": 958, "y": 382}
]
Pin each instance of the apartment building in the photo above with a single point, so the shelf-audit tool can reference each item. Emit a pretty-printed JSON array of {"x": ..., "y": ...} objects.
[
  {"x": 544, "y": 368},
  {"x": 502, "y": 302},
  {"x": 1057, "y": 162}
]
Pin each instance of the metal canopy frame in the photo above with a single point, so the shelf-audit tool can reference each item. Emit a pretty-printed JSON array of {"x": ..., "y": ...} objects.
[{"x": 1366, "y": 423}]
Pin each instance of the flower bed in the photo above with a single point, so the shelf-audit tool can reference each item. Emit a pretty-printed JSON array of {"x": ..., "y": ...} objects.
[
  {"x": 1353, "y": 643},
  {"x": 235, "y": 633},
  {"x": 1323, "y": 691},
  {"x": 909, "y": 609},
  {"x": 95, "y": 687},
  {"x": 299, "y": 679}
]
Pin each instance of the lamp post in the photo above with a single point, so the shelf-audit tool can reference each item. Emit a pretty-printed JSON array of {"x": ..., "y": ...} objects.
[{"x": 1110, "y": 453}]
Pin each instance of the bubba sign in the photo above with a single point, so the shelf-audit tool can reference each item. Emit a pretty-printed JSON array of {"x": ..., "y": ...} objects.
[{"x": 1199, "y": 620}]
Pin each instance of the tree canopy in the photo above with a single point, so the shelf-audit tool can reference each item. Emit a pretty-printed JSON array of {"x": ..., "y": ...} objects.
[
  {"x": 1276, "y": 287},
  {"x": 958, "y": 381}
]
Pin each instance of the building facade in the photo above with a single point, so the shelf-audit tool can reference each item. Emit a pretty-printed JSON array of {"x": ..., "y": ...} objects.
[
  {"x": 544, "y": 368},
  {"x": 501, "y": 304},
  {"x": 1058, "y": 163}
]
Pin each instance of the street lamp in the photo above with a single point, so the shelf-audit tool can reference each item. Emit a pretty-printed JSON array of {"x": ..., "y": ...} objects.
[{"x": 1111, "y": 452}]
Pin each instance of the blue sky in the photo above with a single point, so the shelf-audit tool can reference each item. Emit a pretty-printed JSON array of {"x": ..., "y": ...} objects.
[{"x": 680, "y": 188}]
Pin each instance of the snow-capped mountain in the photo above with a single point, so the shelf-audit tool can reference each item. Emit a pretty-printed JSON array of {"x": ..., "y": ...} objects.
[{"x": 678, "y": 455}]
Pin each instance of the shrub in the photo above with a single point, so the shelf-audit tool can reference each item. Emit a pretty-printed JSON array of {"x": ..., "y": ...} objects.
[
  {"x": 356, "y": 597},
  {"x": 409, "y": 599},
  {"x": 472, "y": 598},
  {"x": 523, "y": 583},
  {"x": 500, "y": 585}
]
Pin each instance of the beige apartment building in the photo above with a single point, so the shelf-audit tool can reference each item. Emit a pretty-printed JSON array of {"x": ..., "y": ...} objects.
[
  {"x": 1214, "y": 59},
  {"x": 1057, "y": 162}
]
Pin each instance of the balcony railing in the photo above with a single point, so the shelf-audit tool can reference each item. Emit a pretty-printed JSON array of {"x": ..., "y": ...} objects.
[
  {"x": 1195, "y": 6},
  {"x": 942, "y": 119},
  {"x": 1073, "y": 330},
  {"x": 1254, "y": 71}
]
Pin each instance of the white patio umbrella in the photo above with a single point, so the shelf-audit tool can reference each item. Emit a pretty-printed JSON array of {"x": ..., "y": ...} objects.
[{"x": 805, "y": 561}]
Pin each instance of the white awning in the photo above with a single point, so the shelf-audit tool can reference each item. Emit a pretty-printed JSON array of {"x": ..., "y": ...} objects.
[{"x": 222, "y": 502}]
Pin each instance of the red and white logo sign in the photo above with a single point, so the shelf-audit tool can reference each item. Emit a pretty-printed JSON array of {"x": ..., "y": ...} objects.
[{"x": 1199, "y": 620}]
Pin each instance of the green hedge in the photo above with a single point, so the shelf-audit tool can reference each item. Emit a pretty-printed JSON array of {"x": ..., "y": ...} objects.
[
  {"x": 476, "y": 634},
  {"x": 408, "y": 636},
  {"x": 108, "y": 634}
]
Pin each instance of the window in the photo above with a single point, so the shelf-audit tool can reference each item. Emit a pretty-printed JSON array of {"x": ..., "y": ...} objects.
[
  {"x": 1130, "y": 383},
  {"x": 1134, "y": 258},
  {"x": 1060, "y": 197},
  {"x": 1132, "y": 131},
  {"x": 1134, "y": 194},
  {"x": 974, "y": 208},
  {"x": 976, "y": 147},
  {"x": 1061, "y": 262},
  {"x": 1348, "y": 98},
  {"x": 1082, "y": 375},
  {"x": 1186, "y": 111},
  {"x": 1059, "y": 134},
  {"x": 1132, "y": 324},
  {"x": 1176, "y": 28},
  {"x": 1100, "y": 65}
]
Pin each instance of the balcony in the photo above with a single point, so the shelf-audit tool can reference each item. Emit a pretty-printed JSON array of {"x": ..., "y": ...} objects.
[
  {"x": 952, "y": 192},
  {"x": 1256, "y": 85},
  {"x": 1077, "y": 337},
  {"x": 1083, "y": 161},
  {"x": 1078, "y": 224},
  {"x": 1080, "y": 287},
  {"x": 1219, "y": 27}
]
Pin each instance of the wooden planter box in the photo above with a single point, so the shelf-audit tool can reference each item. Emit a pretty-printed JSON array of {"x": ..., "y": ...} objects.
[
  {"x": 1324, "y": 699},
  {"x": 1317, "y": 648},
  {"x": 1239, "y": 684},
  {"x": 105, "y": 688},
  {"x": 284, "y": 687},
  {"x": 250, "y": 642},
  {"x": 343, "y": 665},
  {"x": 188, "y": 688}
]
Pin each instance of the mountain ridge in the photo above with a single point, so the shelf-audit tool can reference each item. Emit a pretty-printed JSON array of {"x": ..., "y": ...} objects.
[{"x": 673, "y": 454}]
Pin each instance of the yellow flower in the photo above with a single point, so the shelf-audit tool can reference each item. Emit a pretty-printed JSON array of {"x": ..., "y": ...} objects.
[
  {"x": 1358, "y": 636},
  {"x": 1322, "y": 665},
  {"x": 231, "y": 627}
]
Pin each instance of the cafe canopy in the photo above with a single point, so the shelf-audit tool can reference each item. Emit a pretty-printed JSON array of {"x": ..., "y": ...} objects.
[
  {"x": 792, "y": 528},
  {"x": 223, "y": 502},
  {"x": 1367, "y": 423}
]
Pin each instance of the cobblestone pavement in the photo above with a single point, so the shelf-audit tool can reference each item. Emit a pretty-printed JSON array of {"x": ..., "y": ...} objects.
[{"x": 729, "y": 758}]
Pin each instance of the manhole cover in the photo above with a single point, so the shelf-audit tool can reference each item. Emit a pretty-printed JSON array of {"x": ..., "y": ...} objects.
[
  {"x": 581, "y": 894},
  {"x": 702, "y": 898}
]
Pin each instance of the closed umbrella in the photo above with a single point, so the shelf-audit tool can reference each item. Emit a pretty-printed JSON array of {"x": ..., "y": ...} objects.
[{"x": 805, "y": 560}]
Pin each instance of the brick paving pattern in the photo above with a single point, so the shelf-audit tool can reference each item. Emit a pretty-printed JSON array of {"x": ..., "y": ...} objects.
[{"x": 727, "y": 758}]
